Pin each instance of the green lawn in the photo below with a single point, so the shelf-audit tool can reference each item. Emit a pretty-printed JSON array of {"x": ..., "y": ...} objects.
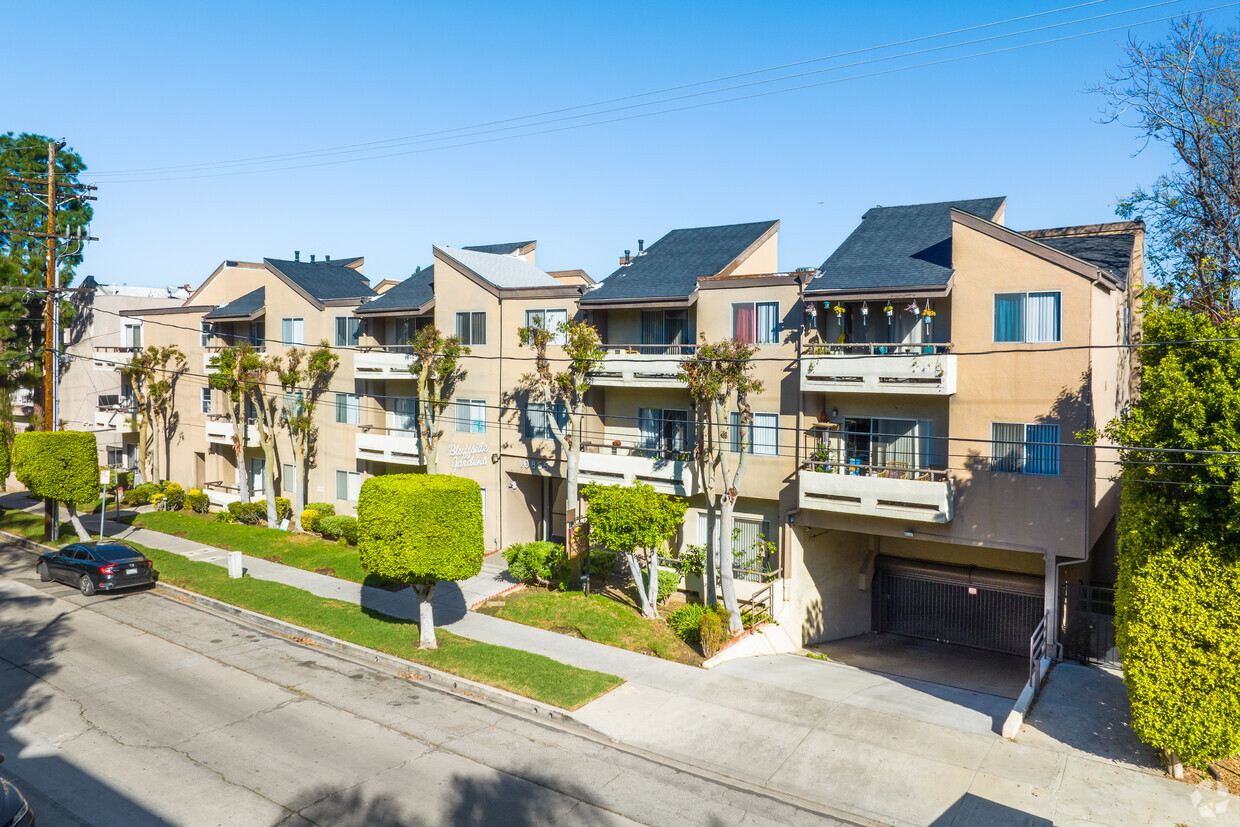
[
  {"x": 302, "y": 551},
  {"x": 533, "y": 676},
  {"x": 30, "y": 526},
  {"x": 594, "y": 617}
]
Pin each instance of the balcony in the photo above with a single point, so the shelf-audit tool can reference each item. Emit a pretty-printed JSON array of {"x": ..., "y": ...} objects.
[
  {"x": 666, "y": 471},
  {"x": 220, "y": 432},
  {"x": 389, "y": 445},
  {"x": 924, "y": 370},
  {"x": 647, "y": 366},
  {"x": 921, "y": 495},
  {"x": 112, "y": 358},
  {"x": 375, "y": 363},
  {"x": 115, "y": 419}
]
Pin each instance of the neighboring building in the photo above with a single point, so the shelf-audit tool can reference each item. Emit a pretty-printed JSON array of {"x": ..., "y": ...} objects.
[
  {"x": 92, "y": 395},
  {"x": 916, "y": 469}
]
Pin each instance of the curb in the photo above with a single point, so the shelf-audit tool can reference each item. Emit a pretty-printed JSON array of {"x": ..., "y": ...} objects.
[
  {"x": 444, "y": 680},
  {"x": 518, "y": 587}
]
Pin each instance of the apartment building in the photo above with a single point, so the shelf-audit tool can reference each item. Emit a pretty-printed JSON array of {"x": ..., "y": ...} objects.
[{"x": 914, "y": 457}]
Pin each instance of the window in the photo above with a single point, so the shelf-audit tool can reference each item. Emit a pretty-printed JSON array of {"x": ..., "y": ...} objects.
[
  {"x": 1027, "y": 317},
  {"x": 887, "y": 444},
  {"x": 407, "y": 329},
  {"x": 288, "y": 478},
  {"x": 1017, "y": 448},
  {"x": 471, "y": 416},
  {"x": 538, "y": 424},
  {"x": 665, "y": 327},
  {"x": 348, "y": 485},
  {"x": 404, "y": 414},
  {"x": 293, "y": 403},
  {"x": 132, "y": 335},
  {"x": 348, "y": 408},
  {"x": 258, "y": 334},
  {"x": 763, "y": 434},
  {"x": 747, "y": 533},
  {"x": 116, "y": 457},
  {"x": 257, "y": 466},
  {"x": 348, "y": 331},
  {"x": 206, "y": 400},
  {"x": 471, "y": 328},
  {"x": 663, "y": 430},
  {"x": 292, "y": 331},
  {"x": 756, "y": 323},
  {"x": 204, "y": 335},
  {"x": 551, "y": 320}
]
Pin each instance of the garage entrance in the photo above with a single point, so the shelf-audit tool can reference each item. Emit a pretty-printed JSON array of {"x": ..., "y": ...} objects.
[{"x": 968, "y": 606}]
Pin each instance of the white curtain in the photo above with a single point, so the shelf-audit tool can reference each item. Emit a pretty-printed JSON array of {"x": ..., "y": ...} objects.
[
  {"x": 766, "y": 434},
  {"x": 894, "y": 443},
  {"x": 768, "y": 323},
  {"x": 1007, "y": 446},
  {"x": 1042, "y": 317},
  {"x": 649, "y": 420}
]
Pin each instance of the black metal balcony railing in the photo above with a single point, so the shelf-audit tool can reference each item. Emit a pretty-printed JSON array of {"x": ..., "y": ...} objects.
[
  {"x": 877, "y": 348},
  {"x": 658, "y": 349},
  {"x": 890, "y": 470},
  {"x": 623, "y": 449}
]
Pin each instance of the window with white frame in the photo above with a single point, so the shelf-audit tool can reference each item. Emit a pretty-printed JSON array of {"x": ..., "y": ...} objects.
[
  {"x": 132, "y": 334},
  {"x": 206, "y": 400},
  {"x": 204, "y": 334},
  {"x": 551, "y": 320},
  {"x": 663, "y": 429},
  {"x": 747, "y": 536},
  {"x": 404, "y": 414},
  {"x": 116, "y": 457},
  {"x": 292, "y": 331},
  {"x": 471, "y": 328},
  {"x": 1027, "y": 317},
  {"x": 756, "y": 323},
  {"x": 471, "y": 416},
  {"x": 763, "y": 434},
  {"x": 348, "y": 485},
  {"x": 257, "y": 466},
  {"x": 348, "y": 331},
  {"x": 538, "y": 424},
  {"x": 288, "y": 478},
  {"x": 348, "y": 408},
  {"x": 1020, "y": 448}
]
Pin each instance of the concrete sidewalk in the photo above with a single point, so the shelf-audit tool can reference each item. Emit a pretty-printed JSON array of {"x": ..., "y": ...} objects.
[{"x": 894, "y": 749}]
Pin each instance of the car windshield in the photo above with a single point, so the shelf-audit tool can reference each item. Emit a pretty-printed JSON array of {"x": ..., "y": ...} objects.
[{"x": 115, "y": 553}]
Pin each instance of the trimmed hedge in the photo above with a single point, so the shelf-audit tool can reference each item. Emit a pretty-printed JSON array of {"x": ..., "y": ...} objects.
[
  {"x": 197, "y": 501},
  {"x": 324, "y": 509},
  {"x": 141, "y": 495},
  {"x": 310, "y": 520},
  {"x": 602, "y": 561},
  {"x": 58, "y": 465},
  {"x": 420, "y": 528},
  {"x": 249, "y": 513},
  {"x": 339, "y": 527},
  {"x": 538, "y": 562}
]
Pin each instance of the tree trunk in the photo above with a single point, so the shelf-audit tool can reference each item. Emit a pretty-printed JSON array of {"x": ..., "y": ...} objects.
[
  {"x": 726, "y": 583},
  {"x": 82, "y": 533},
  {"x": 269, "y": 479},
  {"x": 302, "y": 467},
  {"x": 652, "y": 587},
  {"x": 144, "y": 453},
  {"x": 426, "y": 615},
  {"x": 710, "y": 574},
  {"x": 643, "y": 597},
  {"x": 243, "y": 479}
]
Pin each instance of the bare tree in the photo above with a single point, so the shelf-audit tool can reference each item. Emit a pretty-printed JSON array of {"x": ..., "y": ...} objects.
[
  {"x": 436, "y": 369},
  {"x": 304, "y": 377},
  {"x": 1184, "y": 93},
  {"x": 256, "y": 368}
]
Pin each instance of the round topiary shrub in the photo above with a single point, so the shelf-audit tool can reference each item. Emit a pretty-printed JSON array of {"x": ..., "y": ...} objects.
[
  {"x": 341, "y": 527},
  {"x": 310, "y": 520},
  {"x": 197, "y": 501}
]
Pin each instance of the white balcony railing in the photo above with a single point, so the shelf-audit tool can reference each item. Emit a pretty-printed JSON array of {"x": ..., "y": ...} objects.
[
  {"x": 389, "y": 445},
  {"x": 220, "y": 432},
  {"x": 382, "y": 364},
  {"x": 114, "y": 419},
  {"x": 667, "y": 471},
  {"x": 878, "y": 368},
  {"x": 112, "y": 358},
  {"x": 650, "y": 366},
  {"x": 920, "y": 495},
  {"x": 220, "y": 495}
]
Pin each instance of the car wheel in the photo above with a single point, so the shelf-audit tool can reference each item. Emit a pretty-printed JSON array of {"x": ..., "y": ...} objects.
[
  {"x": 44, "y": 574},
  {"x": 86, "y": 585}
]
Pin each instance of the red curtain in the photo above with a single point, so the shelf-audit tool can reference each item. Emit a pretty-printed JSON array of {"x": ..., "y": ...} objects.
[{"x": 743, "y": 323}]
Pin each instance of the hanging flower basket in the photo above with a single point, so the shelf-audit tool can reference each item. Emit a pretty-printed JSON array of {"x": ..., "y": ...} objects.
[
  {"x": 913, "y": 308},
  {"x": 839, "y": 310},
  {"x": 888, "y": 310}
]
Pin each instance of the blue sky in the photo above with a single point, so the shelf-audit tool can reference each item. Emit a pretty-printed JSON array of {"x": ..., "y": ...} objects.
[{"x": 141, "y": 86}]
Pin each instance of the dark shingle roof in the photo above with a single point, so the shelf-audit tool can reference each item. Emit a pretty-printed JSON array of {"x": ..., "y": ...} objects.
[
  {"x": 244, "y": 307},
  {"x": 672, "y": 265},
  {"x": 1111, "y": 251},
  {"x": 894, "y": 247},
  {"x": 324, "y": 280},
  {"x": 410, "y": 294},
  {"x": 500, "y": 249}
]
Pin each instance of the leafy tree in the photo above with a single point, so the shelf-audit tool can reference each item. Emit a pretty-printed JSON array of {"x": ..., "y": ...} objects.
[
  {"x": 1177, "y": 603},
  {"x": 23, "y": 258},
  {"x": 718, "y": 374},
  {"x": 7, "y": 432},
  {"x": 59, "y": 465},
  {"x": 1184, "y": 93},
  {"x": 436, "y": 369},
  {"x": 153, "y": 374},
  {"x": 638, "y": 522},
  {"x": 567, "y": 388},
  {"x": 256, "y": 369},
  {"x": 229, "y": 377},
  {"x": 420, "y": 529},
  {"x": 304, "y": 377}
]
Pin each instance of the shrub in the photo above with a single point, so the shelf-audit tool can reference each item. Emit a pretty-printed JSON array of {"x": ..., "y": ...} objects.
[
  {"x": 538, "y": 562},
  {"x": 176, "y": 496},
  {"x": 669, "y": 581},
  {"x": 324, "y": 509},
  {"x": 602, "y": 562},
  {"x": 284, "y": 508},
  {"x": 691, "y": 560},
  {"x": 197, "y": 501},
  {"x": 711, "y": 633},
  {"x": 157, "y": 499},
  {"x": 420, "y": 528},
  {"x": 58, "y": 465},
  {"x": 122, "y": 478},
  {"x": 225, "y": 517},
  {"x": 310, "y": 520},
  {"x": 141, "y": 494},
  {"x": 686, "y": 621},
  {"x": 249, "y": 513},
  {"x": 341, "y": 527}
]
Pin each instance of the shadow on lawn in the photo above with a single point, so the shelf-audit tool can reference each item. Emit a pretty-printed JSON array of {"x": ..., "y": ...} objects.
[{"x": 395, "y": 602}]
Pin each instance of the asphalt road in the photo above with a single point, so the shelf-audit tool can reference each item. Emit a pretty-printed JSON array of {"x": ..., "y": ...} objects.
[{"x": 137, "y": 709}]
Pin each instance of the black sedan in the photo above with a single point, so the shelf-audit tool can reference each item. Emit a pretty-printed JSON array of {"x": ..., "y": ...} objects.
[
  {"x": 92, "y": 567},
  {"x": 14, "y": 811}
]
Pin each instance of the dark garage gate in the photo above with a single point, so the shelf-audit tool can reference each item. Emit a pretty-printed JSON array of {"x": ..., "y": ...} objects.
[{"x": 965, "y": 605}]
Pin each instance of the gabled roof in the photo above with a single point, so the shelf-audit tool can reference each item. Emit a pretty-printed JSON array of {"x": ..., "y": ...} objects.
[
  {"x": 1110, "y": 251},
  {"x": 412, "y": 295},
  {"x": 502, "y": 271},
  {"x": 323, "y": 280},
  {"x": 502, "y": 249},
  {"x": 899, "y": 247},
  {"x": 670, "y": 268},
  {"x": 249, "y": 306}
]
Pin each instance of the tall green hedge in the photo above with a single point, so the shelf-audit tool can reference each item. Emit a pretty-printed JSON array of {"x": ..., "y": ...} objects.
[
  {"x": 420, "y": 528},
  {"x": 58, "y": 465}
]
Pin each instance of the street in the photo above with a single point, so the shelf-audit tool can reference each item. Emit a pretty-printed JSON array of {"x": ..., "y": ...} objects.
[{"x": 135, "y": 709}]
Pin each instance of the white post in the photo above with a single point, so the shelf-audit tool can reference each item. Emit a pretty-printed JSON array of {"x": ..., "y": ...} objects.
[{"x": 234, "y": 565}]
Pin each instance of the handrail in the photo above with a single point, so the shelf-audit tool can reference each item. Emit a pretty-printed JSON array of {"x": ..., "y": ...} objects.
[
  {"x": 406, "y": 350},
  {"x": 648, "y": 349},
  {"x": 877, "y": 348},
  {"x": 1037, "y": 650},
  {"x": 858, "y": 469},
  {"x": 220, "y": 486},
  {"x": 381, "y": 429},
  {"x": 764, "y": 597},
  {"x": 118, "y": 348},
  {"x": 616, "y": 447}
]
